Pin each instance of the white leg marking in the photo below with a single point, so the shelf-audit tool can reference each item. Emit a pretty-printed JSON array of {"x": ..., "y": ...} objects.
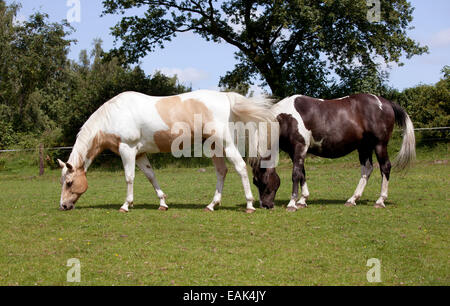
[
  {"x": 305, "y": 195},
  {"x": 366, "y": 171},
  {"x": 292, "y": 204},
  {"x": 359, "y": 190},
  {"x": 384, "y": 192}
]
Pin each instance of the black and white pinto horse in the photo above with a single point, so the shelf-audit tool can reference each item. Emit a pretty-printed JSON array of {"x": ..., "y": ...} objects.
[{"x": 332, "y": 129}]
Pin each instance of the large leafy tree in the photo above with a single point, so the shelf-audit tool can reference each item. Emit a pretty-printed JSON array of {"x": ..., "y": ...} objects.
[
  {"x": 33, "y": 58},
  {"x": 429, "y": 105},
  {"x": 292, "y": 46}
]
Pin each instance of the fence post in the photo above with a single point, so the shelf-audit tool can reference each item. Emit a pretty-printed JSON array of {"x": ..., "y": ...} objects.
[{"x": 41, "y": 159}]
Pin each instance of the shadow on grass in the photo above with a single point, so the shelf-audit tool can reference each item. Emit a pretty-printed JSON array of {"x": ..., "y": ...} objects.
[
  {"x": 237, "y": 207},
  {"x": 325, "y": 202}
]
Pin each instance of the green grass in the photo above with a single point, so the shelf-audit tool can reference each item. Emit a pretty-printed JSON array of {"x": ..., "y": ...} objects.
[{"x": 325, "y": 244}]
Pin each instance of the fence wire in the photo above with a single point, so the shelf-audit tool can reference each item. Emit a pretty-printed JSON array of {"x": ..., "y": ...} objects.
[{"x": 70, "y": 148}]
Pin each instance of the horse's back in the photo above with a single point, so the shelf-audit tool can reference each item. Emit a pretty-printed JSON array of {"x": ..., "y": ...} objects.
[
  {"x": 338, "y": 126},
  {"x": 358, "y": 111},
  {"x": 148, "y": 120},
  {"x": 195, "y": 102}
]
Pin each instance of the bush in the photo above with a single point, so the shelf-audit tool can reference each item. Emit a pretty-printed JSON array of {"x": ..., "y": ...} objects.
[{"x": 7, "y": 135}]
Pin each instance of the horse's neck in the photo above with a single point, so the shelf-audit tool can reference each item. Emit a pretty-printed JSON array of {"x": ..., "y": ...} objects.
[{"x": 85, "y": 149}]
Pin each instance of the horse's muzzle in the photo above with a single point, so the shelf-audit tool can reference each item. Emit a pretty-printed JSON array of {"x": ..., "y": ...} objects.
[
  {"x": 65, "y": 207},
  {"x": 267, "y": 205}
]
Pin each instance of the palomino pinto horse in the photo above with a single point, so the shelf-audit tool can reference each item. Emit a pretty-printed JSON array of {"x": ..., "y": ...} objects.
[
  {"x": 332, "y": 129},
  {"x": 132, "y": 124}
]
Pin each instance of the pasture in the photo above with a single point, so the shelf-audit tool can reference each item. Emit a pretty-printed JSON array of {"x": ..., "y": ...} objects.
[{"x": 325, "y": 244}]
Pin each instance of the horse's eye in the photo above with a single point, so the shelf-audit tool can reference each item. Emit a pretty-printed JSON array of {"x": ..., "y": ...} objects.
[{"x": 69, "y": 184}]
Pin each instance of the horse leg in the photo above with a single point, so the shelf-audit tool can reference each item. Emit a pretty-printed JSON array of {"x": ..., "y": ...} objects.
[
  {"x": 128, "y": 156},
  {"x": 385, "y": 168},
  {"x": 298, "y": 174},
  {"x": 305, "y": 192},
  {"x": 365, "y": 159},
  {"x": 233, "y": 155},
  {"x": 221, "y": 172},
  {"x": 144, "y": 164}
]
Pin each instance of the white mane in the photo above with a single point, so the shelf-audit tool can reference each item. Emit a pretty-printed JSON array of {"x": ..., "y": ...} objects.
[{"x": 96, "y": 122}]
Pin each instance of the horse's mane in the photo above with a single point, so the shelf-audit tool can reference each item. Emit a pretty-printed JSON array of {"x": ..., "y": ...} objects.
[{"x": 97, "y": 121}]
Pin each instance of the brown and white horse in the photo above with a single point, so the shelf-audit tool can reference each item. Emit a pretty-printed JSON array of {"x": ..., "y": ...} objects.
[
  {"x": 332, "y": 129},
  {"x": 133, "y": 124}
]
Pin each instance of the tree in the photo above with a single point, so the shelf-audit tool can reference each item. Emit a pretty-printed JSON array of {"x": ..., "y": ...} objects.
[
  {"x": 96, "y": 79},
  {"x": 44, "y": 96},
  {"x": 428, "y": 105},
  {"x": 33, "y": 57},
  {"x": 292, "y": 46},
  {"x": 446, "y": 72},
  {"x": 360, "y": 79}
]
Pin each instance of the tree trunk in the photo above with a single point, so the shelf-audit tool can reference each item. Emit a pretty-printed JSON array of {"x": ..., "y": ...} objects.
[{"x": 276, "y": 85}]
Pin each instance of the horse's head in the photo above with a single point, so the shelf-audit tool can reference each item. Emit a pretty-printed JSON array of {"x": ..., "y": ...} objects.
[
  {"x": 74, "y": 184},
  {"x": 268, "y": 182}
]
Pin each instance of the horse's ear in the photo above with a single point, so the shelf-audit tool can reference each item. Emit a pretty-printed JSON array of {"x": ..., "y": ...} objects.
[
  {"x": 69, "y": 166},
  {"x": 61, "y": 163}
]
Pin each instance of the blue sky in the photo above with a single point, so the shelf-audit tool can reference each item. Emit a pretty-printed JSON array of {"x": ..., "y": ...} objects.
[{"x": 200, "y": 63}]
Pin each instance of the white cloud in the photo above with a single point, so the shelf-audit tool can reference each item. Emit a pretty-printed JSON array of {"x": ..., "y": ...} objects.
[
  {"x": 441, "y": 38},
  {"x": 186, "y": 75}
]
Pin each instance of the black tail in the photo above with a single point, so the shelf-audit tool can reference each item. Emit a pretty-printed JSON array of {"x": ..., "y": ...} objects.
[{"x": 400, "y": 114}]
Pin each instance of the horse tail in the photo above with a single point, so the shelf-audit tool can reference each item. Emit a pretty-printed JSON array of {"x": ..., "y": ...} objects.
[
  {"x": 250, "y": 110},
  {"x": 407, "y": 152}
]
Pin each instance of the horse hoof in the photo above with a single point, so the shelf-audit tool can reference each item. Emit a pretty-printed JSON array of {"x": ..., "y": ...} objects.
[
  {"x": 123, "y": 210},
  {"x": 250, "y": 211},
  {"x": 163, "y": 208},
  {"x": 291, "y": 209},
  {"x": 302, "y": 206},
  {"x": 350, "y": 204},
  {"x": 379, "y": 205},
  {"x": 207, "y": 210}
]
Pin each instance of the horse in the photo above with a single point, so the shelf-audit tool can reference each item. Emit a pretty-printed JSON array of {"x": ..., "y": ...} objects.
[
  {"x": 332, "y": 129},
  {"x": 133, "y": 124}
]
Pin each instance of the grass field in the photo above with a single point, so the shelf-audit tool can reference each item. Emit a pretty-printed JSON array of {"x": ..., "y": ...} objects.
[{"x": 325, "y": 244}]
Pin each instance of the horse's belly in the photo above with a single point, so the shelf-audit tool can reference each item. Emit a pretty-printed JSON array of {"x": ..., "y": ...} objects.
[{"x": 331, "y": 149}]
